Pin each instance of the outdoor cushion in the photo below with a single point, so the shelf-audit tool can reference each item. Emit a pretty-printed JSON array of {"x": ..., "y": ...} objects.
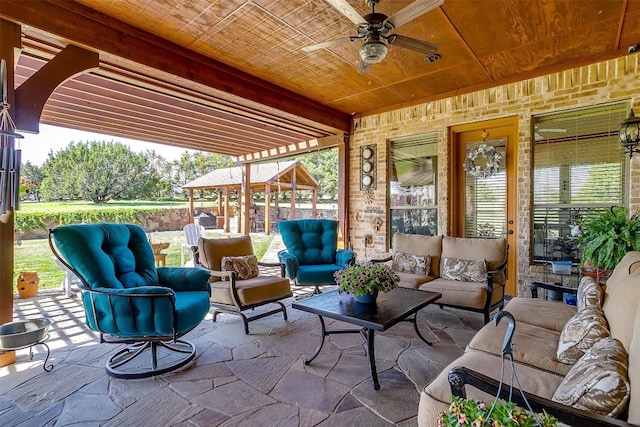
[
  {"x": 465, "y": 270},
  {"x": 252, "y": 291},
  {"x": 417, "y": 244},
  {"x": 245, "y": 267},
  {"x": 540, "y": 312},
  {"x": 589, "y": 293},
  {"x": 598, "y": 381},
  {"x": 581, "y": 332},
  {"x": 408, "y": 263}
]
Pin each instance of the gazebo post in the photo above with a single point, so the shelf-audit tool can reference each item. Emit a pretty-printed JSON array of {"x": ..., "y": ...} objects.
[
  {"x": 267, "y": 209},
  {"x": 226, "y": 209},
  {"x": 293, "y": 194},
  {"x": 314, "y": 203},
  {"x": 191, "y": 220},
  {"x": 245, "y": 200}
]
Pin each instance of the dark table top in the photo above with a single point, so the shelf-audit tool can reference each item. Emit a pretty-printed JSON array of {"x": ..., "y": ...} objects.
[{"x": 389, "y": 309}]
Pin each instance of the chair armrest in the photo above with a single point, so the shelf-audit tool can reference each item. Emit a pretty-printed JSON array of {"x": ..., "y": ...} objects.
[
  {"x": 461, "y": 376},
  {"x": 290, "y": 262},
  {"x": 550, "y": 286},
  {"x": 184, "y": 278},
  {"x": 140, "y": 291},
  {"x": 345, "y": 257}
]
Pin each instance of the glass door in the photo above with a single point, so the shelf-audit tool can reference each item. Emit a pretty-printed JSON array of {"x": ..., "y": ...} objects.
[{"x": 483, "y": 178}]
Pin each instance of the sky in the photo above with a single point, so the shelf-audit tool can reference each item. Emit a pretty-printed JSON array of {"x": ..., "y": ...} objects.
[{"x": 36, "y": 147}]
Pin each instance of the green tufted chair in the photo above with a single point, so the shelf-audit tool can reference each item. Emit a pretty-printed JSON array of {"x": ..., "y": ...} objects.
[
  {"x": 312, "y": 254},
  {"x": 128, "y": 300}
]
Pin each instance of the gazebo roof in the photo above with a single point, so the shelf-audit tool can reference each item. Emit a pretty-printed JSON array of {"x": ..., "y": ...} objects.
[{"x": 262, "y": 174}]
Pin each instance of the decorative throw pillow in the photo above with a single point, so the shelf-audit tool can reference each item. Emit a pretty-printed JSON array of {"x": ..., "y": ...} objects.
[
  {"x": 589, "y": 293},
  {"x": 414, "y": 264},
  {"x": 465, "y": 270},
  {"x": 598, "y": 382},
  {"x": 580, "y": 332},
  {"x": 246, "y": 267}
]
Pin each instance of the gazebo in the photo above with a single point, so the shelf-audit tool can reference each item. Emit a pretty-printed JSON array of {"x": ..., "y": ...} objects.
[{"x": 270, "y": 178}]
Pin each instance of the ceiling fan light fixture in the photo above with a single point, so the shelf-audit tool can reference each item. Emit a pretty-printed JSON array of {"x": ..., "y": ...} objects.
[{"x": 373, "y": 51}]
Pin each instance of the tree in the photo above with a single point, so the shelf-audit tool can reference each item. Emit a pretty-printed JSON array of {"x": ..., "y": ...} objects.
[
  {"x": 190, "y": 167},
  {"x": 30, "y": 179},
  {"x": 323, "y": 165},
  {"x": 99, "y": 171}
]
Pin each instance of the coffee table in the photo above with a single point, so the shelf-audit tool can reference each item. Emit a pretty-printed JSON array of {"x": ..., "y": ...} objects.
[{"x": 389, "y": 309}]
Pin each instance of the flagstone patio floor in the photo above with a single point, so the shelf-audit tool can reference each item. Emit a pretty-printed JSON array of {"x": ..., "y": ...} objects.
[{"x": 236, "y": 379}]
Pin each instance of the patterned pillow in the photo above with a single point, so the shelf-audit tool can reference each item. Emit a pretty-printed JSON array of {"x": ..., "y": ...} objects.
[
  {"x": 414, "y": 264},
  {"x": 246, "y": 267},
  {"x": 599, "y": 381},
  {"x": 589, "y": 293},
  {"x": 580, "y": 332},
  {"x": 465, "y": 270}
]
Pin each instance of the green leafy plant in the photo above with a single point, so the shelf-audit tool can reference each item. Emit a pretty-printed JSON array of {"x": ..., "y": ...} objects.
[
  {"x": 475, "y": 413},
  {"x": 608, "y": 236},
  {"x": 360, "y": 279}
]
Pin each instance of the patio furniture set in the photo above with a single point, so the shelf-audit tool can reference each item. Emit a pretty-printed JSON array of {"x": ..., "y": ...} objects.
[{"x": 129, "y": 300}]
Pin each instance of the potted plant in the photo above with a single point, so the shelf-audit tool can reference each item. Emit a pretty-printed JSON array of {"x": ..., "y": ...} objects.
[
  {"x": 607, "y": 237},
  {"x": 476, "y": 413},
  {"x": 365, "y": 280}
]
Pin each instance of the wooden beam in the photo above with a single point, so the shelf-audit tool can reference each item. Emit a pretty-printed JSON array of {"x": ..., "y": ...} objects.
[
  {"x": 87, "y": 27},
  {"x": 9, "y": 42},
  {"x": 34, "y": 93},
  {"x": 245, "y": 197}
]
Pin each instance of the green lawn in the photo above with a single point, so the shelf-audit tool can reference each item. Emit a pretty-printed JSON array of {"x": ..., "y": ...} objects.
[{"x": 35, "y": 255}]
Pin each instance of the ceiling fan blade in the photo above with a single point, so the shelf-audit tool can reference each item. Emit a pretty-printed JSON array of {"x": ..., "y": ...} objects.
[
  {"x": 363, "y": 67},
  {"x": 411, "y": 12},
  {"x": 347, "y": 10},
  {"x": 330, "y": 43},
  {"x": 413, "y": 44}
]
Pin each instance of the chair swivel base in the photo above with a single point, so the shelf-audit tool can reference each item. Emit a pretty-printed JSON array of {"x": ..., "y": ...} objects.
[
  {"x": 246, "y": 319},
  {"x": 166, "y": 356}
]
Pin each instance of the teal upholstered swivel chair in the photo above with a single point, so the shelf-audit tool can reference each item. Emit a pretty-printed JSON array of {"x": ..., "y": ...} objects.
[
  {"x": 128, "y": 300},
  {"x": 312, "y": 254}
]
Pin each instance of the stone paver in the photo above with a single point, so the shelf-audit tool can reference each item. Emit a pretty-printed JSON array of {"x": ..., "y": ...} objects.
[{"x": 236, "y": 379}]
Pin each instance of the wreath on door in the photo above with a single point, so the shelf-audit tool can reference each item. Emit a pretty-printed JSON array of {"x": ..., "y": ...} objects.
[{"x": 483, "y": 161}]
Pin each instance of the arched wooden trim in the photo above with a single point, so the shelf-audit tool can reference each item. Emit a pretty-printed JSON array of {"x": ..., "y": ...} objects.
[{"x": 34, "y": 93}]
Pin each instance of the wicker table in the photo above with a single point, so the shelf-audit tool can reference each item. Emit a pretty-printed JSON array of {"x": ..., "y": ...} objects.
[{"x": 390, "y": 308}]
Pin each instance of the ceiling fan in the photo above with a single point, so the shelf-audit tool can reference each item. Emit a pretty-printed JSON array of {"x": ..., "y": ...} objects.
[{"x": 374, "y": 29}]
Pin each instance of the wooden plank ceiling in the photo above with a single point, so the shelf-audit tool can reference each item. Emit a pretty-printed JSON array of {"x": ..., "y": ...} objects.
[{"x": 231, "y": 76}]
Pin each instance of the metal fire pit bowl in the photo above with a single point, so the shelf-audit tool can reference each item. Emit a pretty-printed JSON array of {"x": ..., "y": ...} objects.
[{"x": 26, "y": 333}]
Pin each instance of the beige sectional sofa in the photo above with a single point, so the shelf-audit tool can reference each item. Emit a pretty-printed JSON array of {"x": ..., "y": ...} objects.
[
  {"x": 445, "y": 255},
  {"x": 540, "y": 330}
]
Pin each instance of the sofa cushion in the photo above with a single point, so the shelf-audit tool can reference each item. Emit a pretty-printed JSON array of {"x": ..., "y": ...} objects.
[
  {"x": 621, "y": 302},
  {"x": 538, "y": 382},
  {"x": 581, "y": 332},
  {"x": 532, "y": 345},
  {"x": 252, "y": 291},
  {"x": 408, "y": 263},
  {"x": 461, "y": 294},
  {"x": 418, "y": 244},
  {"x": 465, "y": 270},
  {"x": 590, "y": 293},
  {"x": 598, "y": 381},
  {"x": 629, "y": 264},
  {"x": 245, "y": 267},
  {"x": 413, "y": 281},
  {"x": 493, "y": 251},
  {"x": 539, "y": 312},
  {"x": 634, "y": 371}
]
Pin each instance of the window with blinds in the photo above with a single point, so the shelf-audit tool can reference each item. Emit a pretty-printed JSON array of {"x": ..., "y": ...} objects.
[
  {"x": 579, "y": 167},
  {"x": 412, "y": 185}
]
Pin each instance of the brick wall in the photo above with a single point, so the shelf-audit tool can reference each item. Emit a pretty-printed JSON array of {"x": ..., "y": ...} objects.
[{"x": 603, "y": 82}]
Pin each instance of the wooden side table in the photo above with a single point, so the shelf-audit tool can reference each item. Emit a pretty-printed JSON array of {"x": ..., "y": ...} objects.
[{"x": 161, "y": 260}]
